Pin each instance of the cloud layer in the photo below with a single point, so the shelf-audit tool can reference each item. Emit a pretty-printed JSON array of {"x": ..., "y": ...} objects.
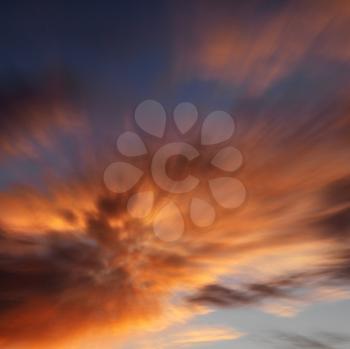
[{"x": 73, "y": 263}]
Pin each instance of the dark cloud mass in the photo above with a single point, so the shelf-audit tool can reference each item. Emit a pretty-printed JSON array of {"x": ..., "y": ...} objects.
[
  {"x": 252, "y": 294},
  {"x": 58, "y": 276},
  {"x": 54, "y": 276}
]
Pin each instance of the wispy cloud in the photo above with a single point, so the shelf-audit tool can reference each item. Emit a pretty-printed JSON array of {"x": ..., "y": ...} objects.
[
  {"x": 191, "y": 337},
  {"x": 73, "y": 262},
  {"x": 317, "y": 341}
]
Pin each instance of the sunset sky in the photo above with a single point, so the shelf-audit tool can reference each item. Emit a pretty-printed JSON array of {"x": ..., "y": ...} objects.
[{"x": 77, "y": 271}]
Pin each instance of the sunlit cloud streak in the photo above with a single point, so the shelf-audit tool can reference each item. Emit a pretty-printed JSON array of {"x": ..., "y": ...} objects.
[{"x": 257, "y": 44}]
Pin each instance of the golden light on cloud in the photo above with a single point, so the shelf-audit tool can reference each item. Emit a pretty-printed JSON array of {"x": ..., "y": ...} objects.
[{"x": 206, "y": 335}]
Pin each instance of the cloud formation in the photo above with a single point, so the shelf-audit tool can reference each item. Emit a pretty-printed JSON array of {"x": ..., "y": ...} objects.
[
  {"x": 256, "y": 44},
  {"x": 318, "y": 341},
  {"x": 72, "y": 261}
]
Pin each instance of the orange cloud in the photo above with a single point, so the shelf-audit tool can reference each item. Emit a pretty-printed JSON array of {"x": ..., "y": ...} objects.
[
  {"x": 74, "y": 264},
  {"x": 239, "y": 44},
  {"x": 73, "y": 261}
]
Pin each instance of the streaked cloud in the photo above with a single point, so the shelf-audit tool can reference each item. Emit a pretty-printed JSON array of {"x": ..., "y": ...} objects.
[
  {"x": 259, "y": 43},
  {"x": 194, "y": 336},
  {"x": 206, "y": 335},
  {"x": 74, "y": 264},
  {"x": 317, "y": 341}
]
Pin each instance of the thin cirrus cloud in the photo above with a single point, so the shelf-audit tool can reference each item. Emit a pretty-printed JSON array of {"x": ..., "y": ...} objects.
[
  {"x": 239, "y": 45},
  {"x": 194, "y": 336},
  {"x": 325, "y": 340},
  {"x": 206, "y": 335}
]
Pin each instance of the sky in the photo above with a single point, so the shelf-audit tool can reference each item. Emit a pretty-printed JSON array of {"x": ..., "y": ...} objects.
[{"x": 263, "y": 262}]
